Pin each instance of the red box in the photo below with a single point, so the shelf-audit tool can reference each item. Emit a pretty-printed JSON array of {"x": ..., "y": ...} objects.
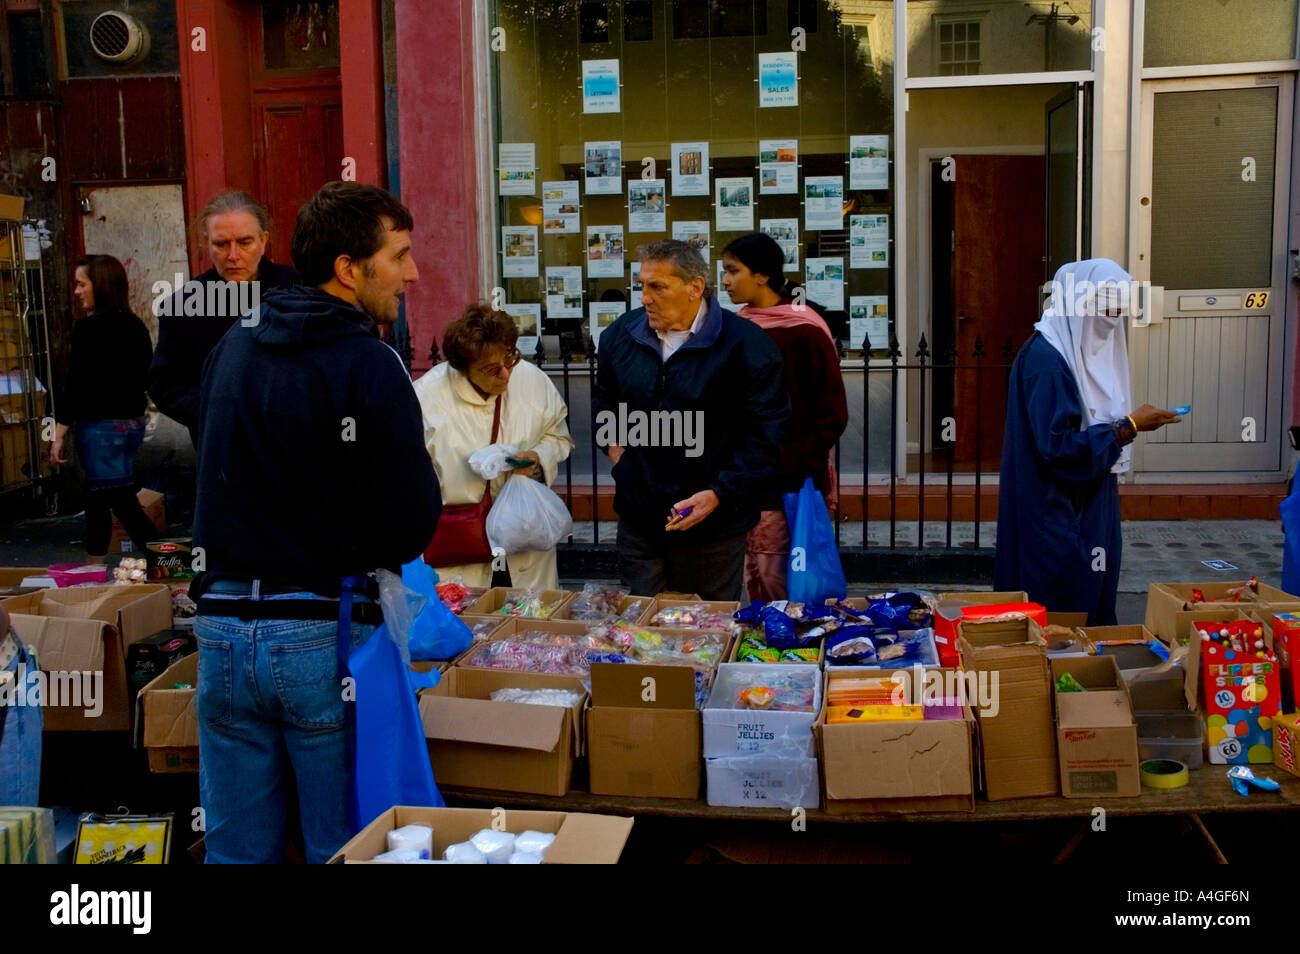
[
  {"x": 1243, "y": 692},
  {"x": 1286, "y": 643},
  {"x": 946, "y": 629}
]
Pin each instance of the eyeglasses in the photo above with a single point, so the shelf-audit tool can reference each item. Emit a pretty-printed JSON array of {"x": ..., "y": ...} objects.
[{"x": 512, "y": 358}]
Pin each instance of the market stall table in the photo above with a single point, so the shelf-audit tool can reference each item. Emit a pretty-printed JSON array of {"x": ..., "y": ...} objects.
[{"x": 1207, "y": 792}]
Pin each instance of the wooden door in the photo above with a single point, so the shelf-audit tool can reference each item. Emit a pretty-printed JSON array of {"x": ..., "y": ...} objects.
[{"x": 999, "y": 224}]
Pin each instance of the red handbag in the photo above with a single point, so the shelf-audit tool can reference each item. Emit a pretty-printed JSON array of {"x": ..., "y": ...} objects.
[{"x": 461, "y": 534}]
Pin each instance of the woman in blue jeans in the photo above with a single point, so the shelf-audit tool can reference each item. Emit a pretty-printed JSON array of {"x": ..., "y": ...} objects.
[{"x": 104, "y": 399}]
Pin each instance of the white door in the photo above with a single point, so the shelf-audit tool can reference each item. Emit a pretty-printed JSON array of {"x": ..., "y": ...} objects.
[{"x": 1210, "y": 221}]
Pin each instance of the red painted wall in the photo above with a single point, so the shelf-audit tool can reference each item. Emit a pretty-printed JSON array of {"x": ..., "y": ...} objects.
[
  {"x": 361, "y": 68},
  {"x": 435, "y": 91}
]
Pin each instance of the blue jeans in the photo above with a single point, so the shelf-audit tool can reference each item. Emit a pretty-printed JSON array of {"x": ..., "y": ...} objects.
[
  {"x": 20, "y": 741},
  {"x": 270, "y": 690}
]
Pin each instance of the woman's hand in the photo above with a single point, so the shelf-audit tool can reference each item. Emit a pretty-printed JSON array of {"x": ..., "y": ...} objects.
[
  {"x": 56, "y": 448},
  {"x": 1149, "y": 417},
  {"x": 535, "y": 470}
]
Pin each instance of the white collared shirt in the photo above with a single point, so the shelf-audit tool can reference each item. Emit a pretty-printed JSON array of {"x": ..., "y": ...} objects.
[{"x": 670, "y": 341}]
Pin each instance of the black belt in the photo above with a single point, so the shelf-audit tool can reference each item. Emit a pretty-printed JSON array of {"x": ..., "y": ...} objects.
[{"x": 248, "y": 609}]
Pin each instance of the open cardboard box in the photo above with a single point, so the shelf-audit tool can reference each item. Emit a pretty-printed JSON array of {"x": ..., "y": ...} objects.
[
  {"x": 490, "y": 603},
  {"x": 731, "y": 731},
  {"x": 1018, "y": 744},
  {"x": 168, "y": 727},
  {"x": 1096, "y": 731},
  {"x": 580, "y": 839},
  {"x": 511, "y": 746},
  {"x": 926, "y": 766},
  {"x": 87, "y": 630},
  {"x": 566, "y": 611},
  {"x": 1165, "y": 602},
  {"x": 727, "y": 607},
  {"x": 1188, "y": 649},
  {"x": 643, "y": 731},
  {"x": 11, "y": 578}
]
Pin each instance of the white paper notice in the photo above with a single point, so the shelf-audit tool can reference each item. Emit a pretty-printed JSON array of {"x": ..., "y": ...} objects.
[
  {"x": 602, "y": 314},
  {"x": 528, "y": 319},
  {"x": 690, "y": 168},
  {"x": 564, "y": 291},
  {"x": 868, "y": 241},
  {"x": 778, "y": 167},
  {"x": 825, "y": 282},
  {"x": 720, "y": 292},
  {"x": 560, "y": 206},
  {"x": 823, "y": 202},
  {"x": 695, "y": 234},
  {"x": 600, "y": 86},
  {"x": 604, "y": 168},
  {"x": 778, "y": 81},
  {"x": 869, "y": 316},
  {"x": 786, "y": 234},
  {"x": 520, "y": 245},
  {"x": 868, "y": 162},
  {"x": 517, "y": 168},
  {"x": 734, "y": 199},
  {"x": 605, "y": 251},
  {"x": 645, "y": 205}
]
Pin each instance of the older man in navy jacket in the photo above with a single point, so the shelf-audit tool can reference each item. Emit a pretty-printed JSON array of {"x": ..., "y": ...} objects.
[{"x": 691, "y": 407}]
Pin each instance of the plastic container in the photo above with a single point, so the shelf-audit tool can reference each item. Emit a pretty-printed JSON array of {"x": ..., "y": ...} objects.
[
  {"x": 75, "y": 574},
  {"x": 1171, "y": 735}
]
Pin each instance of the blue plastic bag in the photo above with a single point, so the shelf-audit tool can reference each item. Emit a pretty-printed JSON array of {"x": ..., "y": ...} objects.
[
  {"x": 391, "y": 754},
  {"x": 1289, "y": 510},
  {"x": 436, "y": 632},
  {"x": 814, "y": 574}
]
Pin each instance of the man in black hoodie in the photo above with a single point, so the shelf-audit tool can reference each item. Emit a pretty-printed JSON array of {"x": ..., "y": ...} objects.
[
  {"x": 234, "y": 229},
  {"x": 311, "y": 469}
]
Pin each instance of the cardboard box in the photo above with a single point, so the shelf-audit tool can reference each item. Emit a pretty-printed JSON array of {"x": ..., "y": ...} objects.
[
  {"x": 1125, "y": 657},
  {"x": 11, "y": 207},
  {"x": 580, "y": 839},
  {"x": 1286, "y": 742},
  {"x": 169, "y": 560},
  {"x": 926, "y": 766},
  {"x": 1096, "y": 733},
  {"x": 724, "y": 607},
  {"x": 87, "y": 630},
  {"x": 11, "y": 579},
  {"x": 1285, "y": 631},
  {"x": 16, "y": 434},
  {"x": 566, "y": 611},
  {"x": 1243, "y": 695},
  {"x": 514, "y": 747},
  {"x": 150, "y": 657},
  {"x": 152, "y": 503},
  {"x": 1018, "y": 744},
  {"x": 729, "y": 731},
  {"x": 643, "y": 738},
  {"x": 490, "y": 603},
  {"x": 763, "y": 782},
  {"x": 169, "y": 728},
  {"x": 1188, "y": 650},
  {"x": 1165, "y": 602}
]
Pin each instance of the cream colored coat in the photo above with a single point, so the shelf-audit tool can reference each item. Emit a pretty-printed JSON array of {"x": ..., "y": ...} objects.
[{"x": 458, "y": 421}]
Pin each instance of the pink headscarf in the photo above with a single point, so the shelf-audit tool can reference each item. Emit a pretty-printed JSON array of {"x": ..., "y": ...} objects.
[{"x": 785, "y": 316}]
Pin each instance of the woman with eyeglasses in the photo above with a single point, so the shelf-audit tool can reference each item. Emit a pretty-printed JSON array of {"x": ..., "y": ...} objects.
[{"x": 483, "y": 387}]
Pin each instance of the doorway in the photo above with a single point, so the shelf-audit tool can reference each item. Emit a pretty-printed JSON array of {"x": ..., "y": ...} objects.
[{"x": 1210, "y": 193}]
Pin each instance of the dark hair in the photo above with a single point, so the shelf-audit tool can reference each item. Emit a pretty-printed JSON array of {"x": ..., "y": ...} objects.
[
  {"x": 761, "y": 254},
  {"x": 480, "y": 326},
  {"x": 232, "y": 200},
  {"x": 107, "y": 281},
  {"x": 343, "y": 218}
]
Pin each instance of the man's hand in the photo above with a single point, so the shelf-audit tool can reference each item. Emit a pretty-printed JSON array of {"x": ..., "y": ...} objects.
[
  {"x": 56, "y": 452},
  {"x": 615, "y": 452},
  {"x": 1149, "y": 417},
  {"x": 701, "y": 504}
]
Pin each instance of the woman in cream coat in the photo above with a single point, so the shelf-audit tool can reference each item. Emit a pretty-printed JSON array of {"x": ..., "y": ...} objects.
[{"x": 458, "y": 397}]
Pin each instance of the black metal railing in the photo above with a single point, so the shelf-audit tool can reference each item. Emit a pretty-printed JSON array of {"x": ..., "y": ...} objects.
[{"x": 935, "y": 462}]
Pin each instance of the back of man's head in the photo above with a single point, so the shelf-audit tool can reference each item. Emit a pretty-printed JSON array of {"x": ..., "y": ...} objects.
[{"x": 343, "y": 218}]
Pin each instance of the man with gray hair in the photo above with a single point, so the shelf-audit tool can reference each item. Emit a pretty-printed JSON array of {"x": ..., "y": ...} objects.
[
  {"x": 686, "y": 496},
  {"x": 233, "y": 228}
]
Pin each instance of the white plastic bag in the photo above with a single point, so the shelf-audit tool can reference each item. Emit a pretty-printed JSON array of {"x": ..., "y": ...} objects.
[
  {"x": 527, "y": 515},
  {"x": 490, "y": 462}
]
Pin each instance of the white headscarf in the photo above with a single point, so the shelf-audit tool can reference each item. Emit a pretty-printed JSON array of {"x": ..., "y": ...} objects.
[{"x": 1093, "y": 344}]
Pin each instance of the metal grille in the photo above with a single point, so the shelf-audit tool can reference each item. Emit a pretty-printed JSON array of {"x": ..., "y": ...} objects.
[{"x": 109, "y": 35}]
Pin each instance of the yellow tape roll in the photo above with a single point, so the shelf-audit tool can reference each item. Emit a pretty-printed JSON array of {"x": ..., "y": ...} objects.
[{"x": 1163, "y": 773}]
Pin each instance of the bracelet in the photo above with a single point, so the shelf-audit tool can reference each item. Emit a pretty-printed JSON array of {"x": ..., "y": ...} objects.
[{"x": 1132, "y": 423}]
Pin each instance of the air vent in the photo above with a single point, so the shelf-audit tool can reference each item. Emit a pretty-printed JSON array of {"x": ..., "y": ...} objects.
[{"x": 118, "y": 38}]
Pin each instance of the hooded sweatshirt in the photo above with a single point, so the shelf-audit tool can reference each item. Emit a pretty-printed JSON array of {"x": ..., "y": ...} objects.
[{"x": 312, "y": 463}]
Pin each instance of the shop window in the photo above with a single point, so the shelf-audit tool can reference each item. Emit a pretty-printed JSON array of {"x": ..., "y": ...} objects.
[
  {"x": 959, "y": 48},
  {"x": 706, "y": 129},
  {"x": 1179, "y": 33},
  {"x": 300, "y": 36}
]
